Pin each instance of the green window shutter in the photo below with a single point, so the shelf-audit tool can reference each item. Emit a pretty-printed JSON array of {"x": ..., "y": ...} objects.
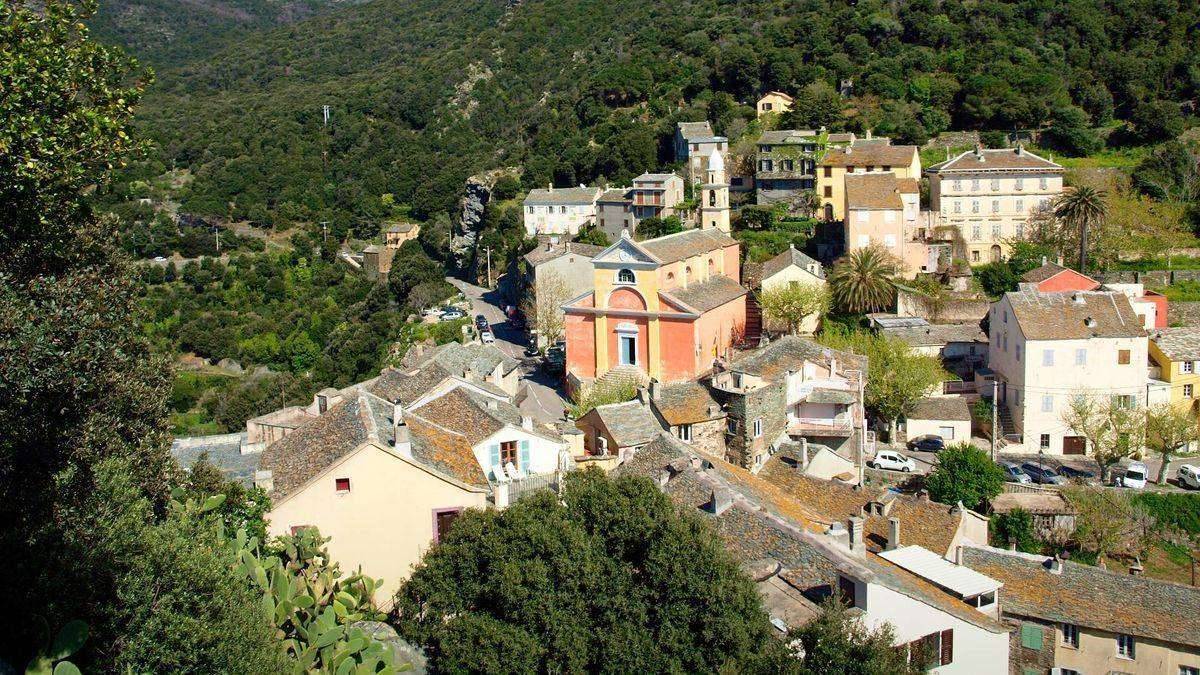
[
  {"x": 1031, "y": 636},
  {"x": 1030, "y": 671},
  {"x": 525, "y": 455},
  {"x": 494, "y": 449}
]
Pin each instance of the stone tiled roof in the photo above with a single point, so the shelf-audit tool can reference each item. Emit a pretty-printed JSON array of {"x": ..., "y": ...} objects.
[
  {"x": 448, "y": 452},
  {"x": 1064, "y": 316},
  {"x": 571, "y": 195},
  {"x": 948, "y": 408},
  {"x": 543, "y": 254},
  {"x": 404, "y": 387},
  {"x": 687, "y": 403},
  {"x": 401, "y": 228},
  {"x": 304, "y": 453},
  {"x": 615, "y": 195},
  {"x": 708, "y": 294},
  {"x": 1050, "y": 502},
  {"x": 840, "y": 138},
  {"x": 789, "y": 353},
  {"x": 785, "y": 136},
  {"x": 938, "y": 334},
  {"x": 466, "y": 414},
  {"x": 754, "y": 528},
  {"x": 456, "y": 357},
  {"x": 630, "y": 423},
  {"x": 223, "y": 452},
  {"x": 1050, "y": 270},
  {"x": 787, "y": 259},
  {"x": 870, "y": 155},
  {"x": 654, "y": 177},
  {"x": 674, "y": 247},
  {"x": 690, "y": 130},
  {"x": 1178, "y": 344},
  {"x": 873, "y": 191},
  {"x": 1092, "y": 597},
  {"x": 992, "y": 159}
]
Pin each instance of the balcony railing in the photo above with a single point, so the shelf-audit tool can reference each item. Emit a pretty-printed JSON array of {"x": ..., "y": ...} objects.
[
  {"x": 820, "y": 426},
  {"x": 958, "y": 387}
]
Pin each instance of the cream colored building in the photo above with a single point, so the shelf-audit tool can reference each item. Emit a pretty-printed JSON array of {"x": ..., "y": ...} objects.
[
  {"x": 876, "y": 155},
  {"x": 793, "y": 268},
  {"x": 774, "y": 102},
  {"x": 1074, "y": 619},
  {"x": 714, "y": 195},
  {"x": 559, "y": 210},
  {"x": 990, "y": 195},
  {"x": 1046, "y": 348},
  {"x": 885, "y": 211}
]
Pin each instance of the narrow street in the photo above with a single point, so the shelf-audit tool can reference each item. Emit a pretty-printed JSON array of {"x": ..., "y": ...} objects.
[{"x": 545, "y": 402}]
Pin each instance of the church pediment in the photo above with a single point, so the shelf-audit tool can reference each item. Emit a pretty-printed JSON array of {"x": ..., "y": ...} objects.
[{"x": 625, "y": 253}]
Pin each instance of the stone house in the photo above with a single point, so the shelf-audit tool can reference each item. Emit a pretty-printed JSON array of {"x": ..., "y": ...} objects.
[
  {"x": 785, "y": 164},
  {"x": 792, "y": 268},
  {"x": 564, "y": 269},
  {"x": 618, "y": 429},
  {"x": 688, "y": 411},
  {"x": 695, "y": 144},
  {"x": 885, "y": 211},
  {"x": 562, "y": 211},
  {"x": 398, "y": 233},
  {"x": 947, "y": 417}
]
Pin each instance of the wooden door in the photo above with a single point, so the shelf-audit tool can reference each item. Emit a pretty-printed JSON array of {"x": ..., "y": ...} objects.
[{"x": 1074, "y": 445}]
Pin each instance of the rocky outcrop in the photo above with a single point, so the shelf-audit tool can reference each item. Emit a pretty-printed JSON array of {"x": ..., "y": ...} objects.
[{"x": 476, "y": 195}]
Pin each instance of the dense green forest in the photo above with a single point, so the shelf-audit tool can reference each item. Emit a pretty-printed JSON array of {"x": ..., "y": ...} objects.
[{"x": 425, "y": 93}]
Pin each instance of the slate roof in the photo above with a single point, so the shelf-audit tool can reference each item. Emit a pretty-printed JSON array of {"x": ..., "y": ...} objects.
[
  {"x": 938, "y": 334},
  {"x": 789, "y": 353},
  {"x": 675, "y": 247},
  {"x": 1092, "y": 597},
  {"x": 687, "y": 403},
  {"x": 474, "y": 415},
  {"x": 1178, "y": 344},
  {"x": 785, "y": 136},
  {"x": 1048, "y": 503},
  {"x": 1058, "y": 316},
  {"x": 788, "y": 258},
  {"x": 870, "y": 155},
  {"x": 447, "y": 452},
  {"x": 690, "y": 130},
  {"x": 986, "y": 159},
  {"x": 654, "y": 177},
  {"x": 630, "y": 423},
  {"x": 614, "y": 195},
  {"x": 542, "y": 254},
  {"x": 708, "y": 294},
  {"x": 873, "y": 191},
  {"x": 456, "y": 357},
  {"x": 827, "y": 395},
  {"x": 402, "y": 228},
  {"x": 570, "y": 195},
  {"x": 1050, "y": 270},
  {"x": 754, "y": 529},
  {"x": 948, "y": 408},
  {"x": 840, "y": 138},
  {"x": 224, "y": 452}
]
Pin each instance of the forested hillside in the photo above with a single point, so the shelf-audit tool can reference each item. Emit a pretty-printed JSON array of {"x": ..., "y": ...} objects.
[{"x": 425, "y": 92}]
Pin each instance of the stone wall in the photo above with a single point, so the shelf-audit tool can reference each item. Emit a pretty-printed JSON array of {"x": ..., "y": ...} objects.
[
  {"x": 953, "y": 310},
  {"x": 1184, "y": 314},
  {"x": 767, "y": 403},
  {"x": 1151, "y": 278},
  {"x": 1023, "y": 659},
  {"x": 709, "y": 437}
]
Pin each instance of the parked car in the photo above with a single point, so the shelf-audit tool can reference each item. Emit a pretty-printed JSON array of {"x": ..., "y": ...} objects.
[
  {"x": 1042, "y": 474},
  {"x": 928, "y": 443},
  {"x": 1013, "y": 472},
  {"x": 488, "y": 337},
  {"x": 1135, "y": 476},
  {"x": 1070, "y": 472},
  {"x": 556, "y": 359},
  {"x": 893, "y": 461},
  {"x": 432, "y": 311},
  {"x": 1189, "y": 476},
  {"x": 452, "y": 314},
  {"x": 481, "y": 321}
]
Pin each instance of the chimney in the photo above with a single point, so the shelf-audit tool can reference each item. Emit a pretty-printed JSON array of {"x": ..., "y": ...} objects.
[
  {"x": 721, "y": 500},
  {"x": 655, "y": 390},
  {"x": 1020, "y": 149},
  {"x": 803, "y": 452},
  {"x": 526, "y": 422},
  {"x": 855, "y": 525},
  {"x": 643, "y": 395},
  {"x": 923, "y": 495},
  {"x": 868, "y": 134},
  {"x": 1089, "y": 322},
  {"x": 1054, "y": 565},
  {"x": 1077, "y": 298},
  {"x": 400, "y": 439},
  {"x": 549, "y": 245},
  {"x": 549, "y": 187},
  {"x": 1044, "y": 260},
  {"x": 893, "y": 542},
  {"x": 662, "y": 477},
  {"x": 263, "y": 479},
  {"x": 1012, "y": 544},
  {"x": 1136, "y": 569},
  {"x": 837, "y": 532},
  {"x": 491, "y": 404}
]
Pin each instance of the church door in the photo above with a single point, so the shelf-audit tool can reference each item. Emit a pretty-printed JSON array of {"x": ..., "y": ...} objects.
[{"x": 628, "y": 350}]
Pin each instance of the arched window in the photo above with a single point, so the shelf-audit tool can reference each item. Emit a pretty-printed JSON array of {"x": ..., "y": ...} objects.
[
  {"x": 712, "y": 267},
  {"x": 626, "y": 277},
  {"x": 687, "y": 273},
  {"x": 670, "y": 277},
  {"x": 712, "y": 197}
]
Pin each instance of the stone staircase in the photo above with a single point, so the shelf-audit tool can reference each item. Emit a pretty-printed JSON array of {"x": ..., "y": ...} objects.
[
  {"x": 753, "y": 320},
  {"x": 621, "y": 376},
  {"x": 1005, "y": 423}
]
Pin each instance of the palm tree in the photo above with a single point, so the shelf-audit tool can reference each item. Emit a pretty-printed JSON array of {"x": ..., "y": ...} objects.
[
  {"x": 1082, "y": 207},
  {"x": 861, "y": 281}
]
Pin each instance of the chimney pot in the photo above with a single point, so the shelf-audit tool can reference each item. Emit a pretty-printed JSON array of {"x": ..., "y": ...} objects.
[
  {"x": 893, "y": 533},
  {"x": 491, "y": 404},
  {"x": 722, "y": 499},
  {"x": 1136, "y": 568},
  {"x": 527, "y": 422},
  {"x": 856, "y": 535}
]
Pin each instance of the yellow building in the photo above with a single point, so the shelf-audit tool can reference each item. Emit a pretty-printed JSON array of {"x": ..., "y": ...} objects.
[
  {"x": 1176, "y": 352},
  {"x": 861, "y": 157},
  {"x": 774, "y": 102}
]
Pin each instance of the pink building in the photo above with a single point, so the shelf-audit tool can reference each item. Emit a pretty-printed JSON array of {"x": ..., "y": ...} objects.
[{"x": 885, "y": 211}]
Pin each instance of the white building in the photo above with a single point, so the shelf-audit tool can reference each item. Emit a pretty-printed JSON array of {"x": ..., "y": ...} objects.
[
  {"x": 1046, "y": 348},
  {"x": 989, "y": 196},
  {"x": 559, "y": 210}
]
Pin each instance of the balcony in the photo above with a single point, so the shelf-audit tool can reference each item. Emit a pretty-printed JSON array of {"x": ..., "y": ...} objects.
[
  {"x": 958, "y": 387},
  {"x": 642, "y": 200},
  {"x": 820, "y": 426}
]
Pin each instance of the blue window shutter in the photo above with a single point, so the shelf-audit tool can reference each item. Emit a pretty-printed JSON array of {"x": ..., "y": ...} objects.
[
  {"x": 525, "y": 455},
  {"x": 494, "y": 449}
]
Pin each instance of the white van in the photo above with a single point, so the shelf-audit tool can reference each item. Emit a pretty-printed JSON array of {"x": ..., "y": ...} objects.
[
  {"x": 1189, "y": 476},
  {"x": 1135, "y": 476}
]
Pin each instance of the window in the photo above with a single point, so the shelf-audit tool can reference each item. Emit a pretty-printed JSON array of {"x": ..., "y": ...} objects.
[
  {"x": 995, "y": 184},
  {"x": 1189, "y": 670},
  {"x": 974, "y": 256},
  {"x": 766, "y": 107},
  {"x": 1047, "y": 403},
  {"x": 685, "y": 433},
  {"x": 562, "y": 209},
  {"x": 995, "y": 206},
  {"x": 828, "y": 189},
  {"x": 889, "y": 217},
  {"x": 975, "y": 185},
  {"x": 1044, "y": 442},
  {"x": 443, "y": 520},
  {"x": 1070, "y": 635},
  {"x": 935, "y": 649},
  {"x": 1081, "y": 357},
  {"x": 1018, "y": 352},
  {"x": 787, "y": 165},
  {"x": 342, "y": 484},
  {"x": 695, "y": 147},
  {"x": 864, "y": 240},
  {"x": 976, "y": 233},
  {"x": 1067, "y": 671},
  {"x": 974, "y": 206},
  {"x": 958, "y": 206},
  {"x": 1042, "y": 183},
  {"x": 1047, "y": 357},
  {"x": 958, "y": 186},
  {"x": 1020, "y": 183},
  {"x": 626, "y": 276},
  {"x": 995, "y": 231},
  {"x": 758, "y": 428},
  {"x": 1123, "y": 357},
  {"x": 1126, "y": 647},
  {"x": 886, "y": 168},
  {"x": 828, "y": 173},
  {"x": 1186, "y": 367},
  {"x": 983, "y": 599},
  {"x": 889, "y": 240},
  {"x": 323, "y": 401},
  {"x": 846, "y": 591},
  {"x": 1020, "y": 230},
  {"x": 731, "y": 426},
  {"x": 1187, "y": 391},
  {"x": 1020, "y": 205},
  {"x": 509, "y": 454},
  {"x": 1031, "y": 636}
]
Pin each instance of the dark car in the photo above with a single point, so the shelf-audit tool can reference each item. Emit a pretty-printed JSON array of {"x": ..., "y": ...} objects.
[
  {"x": 927, "y": 444},
  {"x": 531, "y": 350},
  {"x": 556, "y": 359},
  {"x": 1076, "y": 474},
  {"x": 481, "y": 321},
  {"x": 1042, "y": 473}
]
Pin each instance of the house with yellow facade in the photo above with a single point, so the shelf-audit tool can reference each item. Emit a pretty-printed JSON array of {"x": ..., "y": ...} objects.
[
  {"x": 1175, "y": 352},
  {"x": 861, "y": 157},
  {"x": 774, "y": 102}
]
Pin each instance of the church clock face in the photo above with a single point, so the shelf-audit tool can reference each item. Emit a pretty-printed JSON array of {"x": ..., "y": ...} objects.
[{"x": 624, "y": 256}]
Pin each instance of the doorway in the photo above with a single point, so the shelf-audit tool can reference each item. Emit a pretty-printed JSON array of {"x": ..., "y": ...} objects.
[
  {"x": 1074, "y": 445},
  {"x": 628, "y": 349},
  {"x": 995, "y": 253}
]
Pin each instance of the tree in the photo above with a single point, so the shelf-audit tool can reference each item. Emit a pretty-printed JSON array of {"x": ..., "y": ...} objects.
[
  {"x": 1170, "y": 430},
  {"x": 966, "y": 474},
  {"x": 790, "y": 305},
  {"x": 590, "y": 234},
  {"x": 1015, "y": 528},
  {"x": 1108, "y": 521},
  {"x": 1070, "y": 133},
  {"x": 863, "y": 280},
  {"x": 543, "y": 305},
  {"x": 658, "y": 227},
  {"x": 1157, "y": 121},
  {"x": 836, "y": 641},
  {"x": 1082, "y": 207},
  {"x": 611, "y": 577},
  {"x": 1111, "y": 429}
]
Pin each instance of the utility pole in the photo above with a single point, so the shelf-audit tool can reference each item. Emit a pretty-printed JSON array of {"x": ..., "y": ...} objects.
[
  {"x": 861, "y": 431},
  {"x": 995, "y": 416},
  {"x": 217, "y": 234}
]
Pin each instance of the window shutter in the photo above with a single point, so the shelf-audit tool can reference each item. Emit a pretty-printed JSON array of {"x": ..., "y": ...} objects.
[
  {"x": 525, "y": 455},
  {"x": 947, "y": 646},
  {"x": 494, "y": 449},
  {"x": 1031, "y": 636}
]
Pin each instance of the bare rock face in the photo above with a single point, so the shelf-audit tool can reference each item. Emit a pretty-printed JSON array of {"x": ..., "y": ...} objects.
[
  {"x": 404, "y": 651},
  {"x": 476, "y": 195}
]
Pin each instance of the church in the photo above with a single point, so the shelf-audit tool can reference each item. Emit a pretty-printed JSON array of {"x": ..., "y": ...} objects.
[{"x": 664, "y": 308}]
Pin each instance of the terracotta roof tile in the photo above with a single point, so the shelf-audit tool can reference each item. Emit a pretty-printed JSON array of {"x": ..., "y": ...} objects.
[
  {"x": 1050, "y": 270},
  {"x": 870, "y": 155}
]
